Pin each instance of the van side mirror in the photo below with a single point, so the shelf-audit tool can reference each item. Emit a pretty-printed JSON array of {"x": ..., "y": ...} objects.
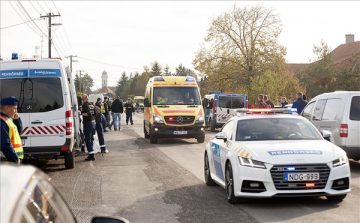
[
  {"x": 108, "y": 220},
  {"x": 326, "y": 134},
  {"x": 221, "y": 135},
  {"x": 147, "y": 104}
]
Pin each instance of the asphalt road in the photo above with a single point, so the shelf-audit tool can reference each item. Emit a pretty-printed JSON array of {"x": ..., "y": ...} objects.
[{"x": 164, "y": 183}]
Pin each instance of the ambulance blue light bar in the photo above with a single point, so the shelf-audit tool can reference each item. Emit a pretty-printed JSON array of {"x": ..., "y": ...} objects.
[
  {"x": 266, "y": 111},
  {"x": 190, "y": 79},
  {"x": 158, "y": 79}
]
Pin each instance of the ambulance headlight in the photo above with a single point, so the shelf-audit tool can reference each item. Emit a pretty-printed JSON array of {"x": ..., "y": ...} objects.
[
  {"x": 341, "y": 161},
  {"x": 157, "y": 118},
  {"x": 251, "y": 163},
  {"x": 200, "y": 119}
]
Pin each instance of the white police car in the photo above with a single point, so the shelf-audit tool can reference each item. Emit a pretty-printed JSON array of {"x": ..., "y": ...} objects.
[
  {"x": 275, "y": 155},
  {"x": 27, "y": 196}
]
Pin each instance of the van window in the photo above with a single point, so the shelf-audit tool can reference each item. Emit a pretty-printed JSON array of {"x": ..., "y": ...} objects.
[
  {"x": 34, "y": 94},
  {"x": 355, "y": 108},
  {"x": 308, "y": 110},
  {"x": 231, "y": 102},
  {"x": 319, "y": 110},
  {"x": 332, "y": 109}
]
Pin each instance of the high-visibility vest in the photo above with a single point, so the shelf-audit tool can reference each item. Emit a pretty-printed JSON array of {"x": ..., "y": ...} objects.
[
  {"x": 103, "y": 108},
  {"x": 14, "y": 136}
]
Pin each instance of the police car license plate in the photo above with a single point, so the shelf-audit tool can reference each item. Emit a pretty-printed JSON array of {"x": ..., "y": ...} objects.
[
  {"x": 301, "y": 176},
  {"x": 180, "y": 132}
]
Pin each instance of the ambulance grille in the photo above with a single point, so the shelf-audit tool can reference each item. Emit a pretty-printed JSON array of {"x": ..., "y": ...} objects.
[
  {"x": 277, "y": 174},
  {"x": 179, "y": 120}
]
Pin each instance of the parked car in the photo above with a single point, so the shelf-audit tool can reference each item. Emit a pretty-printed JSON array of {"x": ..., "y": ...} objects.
[
  {"x": 30, "y": 197},
  {"x": 339, "y": 113}
]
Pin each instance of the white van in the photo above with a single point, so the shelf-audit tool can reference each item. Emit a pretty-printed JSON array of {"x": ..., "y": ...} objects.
[
  {"x": 94, "y": 97},
  {"x": 47, "y": 106},
  {"x": 338, "y": 112}
]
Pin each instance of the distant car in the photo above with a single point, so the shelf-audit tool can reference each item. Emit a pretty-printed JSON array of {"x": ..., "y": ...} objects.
[
  {"x": 339, "y": 113},
  {"x": 28, "y": 196},
  {"x": 275, "y": 155}
]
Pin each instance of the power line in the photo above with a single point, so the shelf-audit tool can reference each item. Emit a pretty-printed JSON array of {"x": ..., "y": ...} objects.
[
  {"x": 35, "y": 7},
  {"x": 41, "y": 7},
  {"x": 73, "y": 51},
  {"x": 47, "y": 6},
  {"x": 30, "y": 17},
  {"x": 24, "y": 20},
  {"x": 19, "y": 23},
  {"x": 108, "y": 64},
  {"x": 55, "y": 6}
]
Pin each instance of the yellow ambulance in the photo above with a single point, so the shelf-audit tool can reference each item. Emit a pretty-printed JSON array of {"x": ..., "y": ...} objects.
[{"x": 173, "y": 109}]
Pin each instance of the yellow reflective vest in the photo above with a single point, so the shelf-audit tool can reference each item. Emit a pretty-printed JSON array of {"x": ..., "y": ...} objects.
[
  {"x": 14, "y": 136},
  {"x": 103, "y": 108}
]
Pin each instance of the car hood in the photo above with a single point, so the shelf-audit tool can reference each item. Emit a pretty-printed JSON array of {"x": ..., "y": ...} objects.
[{"x": 294, "y": 151}]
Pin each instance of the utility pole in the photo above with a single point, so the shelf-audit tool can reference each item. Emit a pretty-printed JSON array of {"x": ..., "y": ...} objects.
[
  {"x": 81, "y": 80},
  {"x": 49, "y": 16},
  {"x": 71, "y": 61}
]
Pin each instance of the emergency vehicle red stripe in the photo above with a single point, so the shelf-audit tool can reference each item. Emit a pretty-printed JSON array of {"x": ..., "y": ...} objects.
[
  {"x": 45, "y": 127},
  {"x": 42, "y": 130},
  {"x": 34, "y": 128},
  {"x": 54, "y": 129},
  {"x": 58, "y": 127},
  {"x": 27, "y": 131},
  {"x": 24, "y": 130},
  {"x": 32, "y": 133},
  {"x": 64, "y": 127}
]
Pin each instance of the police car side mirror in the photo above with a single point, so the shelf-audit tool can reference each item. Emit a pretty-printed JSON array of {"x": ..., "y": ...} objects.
[
  {"x": 326, "y": 134},
  {"x": 109, "y": 220},
  {"x": 221, "y": 135}
]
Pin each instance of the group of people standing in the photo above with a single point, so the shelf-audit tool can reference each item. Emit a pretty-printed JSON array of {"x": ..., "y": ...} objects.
[
  {"x": 264, "y": 101},
  {"x": 96, "y": 117}
]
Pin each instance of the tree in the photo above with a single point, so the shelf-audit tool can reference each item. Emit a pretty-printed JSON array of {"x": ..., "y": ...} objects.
[
  {"x": 84, "y": 84},
  {"x": 181, "y": 71},
  {"x": 167, "y": 71},
  {"x": 245, "y": 41},
  {"x": 120, "y": 88},
  {"x": 156, "y": 69}
]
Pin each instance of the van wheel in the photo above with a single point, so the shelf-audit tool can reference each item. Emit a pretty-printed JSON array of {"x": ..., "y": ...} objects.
[
  {"x": 146, "y": 135},
  {"x": 70, "y": 160},
  {"x": 212, "y": 125},
  {"x": 201, "y": 139},
  {"x": 153, "y": 139}
]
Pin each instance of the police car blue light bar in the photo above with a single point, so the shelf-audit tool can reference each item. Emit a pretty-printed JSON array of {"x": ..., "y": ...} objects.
[{"x": 266, "y": 111}]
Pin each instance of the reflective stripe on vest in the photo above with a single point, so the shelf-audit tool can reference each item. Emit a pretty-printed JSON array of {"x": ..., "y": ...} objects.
[
  {"x": 14, "y": 136},
  {"x": 103, "y": 108}
]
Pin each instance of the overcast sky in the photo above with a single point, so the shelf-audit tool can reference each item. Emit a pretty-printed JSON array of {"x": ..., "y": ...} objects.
[{"x": 133, "y": 34}]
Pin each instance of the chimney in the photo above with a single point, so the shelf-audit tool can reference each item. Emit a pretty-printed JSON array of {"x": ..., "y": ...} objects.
[{"x": 349, "y": 38}]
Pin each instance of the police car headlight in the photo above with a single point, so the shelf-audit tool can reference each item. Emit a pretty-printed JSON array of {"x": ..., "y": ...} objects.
[
  {"x": 157, "y": 119},
  {"x": 200, "y": 118},
  {"x": 251, "y": 163},
  {"x": 341, "y": 161}
]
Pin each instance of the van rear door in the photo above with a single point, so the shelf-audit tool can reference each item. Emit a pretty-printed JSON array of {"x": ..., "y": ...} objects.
[
  {"x": 14, "y": 82},
  {"x": 47, "y": 117},
  {"x": 353, "y": 139}
]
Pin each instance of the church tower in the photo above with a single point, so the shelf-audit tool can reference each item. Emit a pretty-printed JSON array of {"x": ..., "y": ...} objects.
[{"x": 104, "y": 79}]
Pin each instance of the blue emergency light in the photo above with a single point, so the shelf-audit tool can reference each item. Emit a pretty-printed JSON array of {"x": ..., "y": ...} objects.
[
  {"x": 14, "y": 56},
  {"x": 290, "y": 168}
]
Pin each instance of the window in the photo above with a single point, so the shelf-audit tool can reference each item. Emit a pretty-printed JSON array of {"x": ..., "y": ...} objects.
[
  {"x": 34, "y": 94},
  {"x": 332, "y": 109},
  {"x": 224, "y": 102},
  {"x": 319, "y": 110},
  {"x": 308, "y": 110},
  {"x": 275, "y": 129},
  {"x": 355, "y": 108},
  {"x": 231, "y": 102},
  {"x": 176, "y": 96},
  {"x": 228, "y": 129},
  {"x": 238, "y": 102}
]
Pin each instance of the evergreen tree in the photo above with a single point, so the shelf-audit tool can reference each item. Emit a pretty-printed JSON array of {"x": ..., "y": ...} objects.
[
  {"x": 156, "y": 69},
  {"x": 121, "y": 85},
  {"x": 167, "y": 71},
  {"x": 181, "y": 71}
]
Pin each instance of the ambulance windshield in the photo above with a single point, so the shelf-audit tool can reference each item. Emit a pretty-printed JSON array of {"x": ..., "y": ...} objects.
[{"x": 176, "y": 96}]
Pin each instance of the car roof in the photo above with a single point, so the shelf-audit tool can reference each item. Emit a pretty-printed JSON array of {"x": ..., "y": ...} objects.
[{"x": 14, "y": 179}]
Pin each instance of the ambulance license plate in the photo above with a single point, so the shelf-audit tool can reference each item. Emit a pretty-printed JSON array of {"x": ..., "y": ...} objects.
[
  {"x": 301, "y": 176},
  {"x": 180, "y": 132}
]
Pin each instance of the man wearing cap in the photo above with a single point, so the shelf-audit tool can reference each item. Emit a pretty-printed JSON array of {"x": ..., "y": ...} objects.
[
  {"x": 10, "y": 128},
  {"x": 88, "y": 114}
]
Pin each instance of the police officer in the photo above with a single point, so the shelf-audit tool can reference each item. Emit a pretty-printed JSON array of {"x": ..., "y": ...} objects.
[
  {"x": 88, "y": 114},
  {"x": 129, "y": 109},
  {"x": 299, "y": 104},
  {"x": 11, "y": 127}
]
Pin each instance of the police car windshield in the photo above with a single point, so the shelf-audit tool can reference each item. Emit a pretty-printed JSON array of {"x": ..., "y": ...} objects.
[
  {"x": 176, "y": 96},
  {"x": 275, "y": 129}
]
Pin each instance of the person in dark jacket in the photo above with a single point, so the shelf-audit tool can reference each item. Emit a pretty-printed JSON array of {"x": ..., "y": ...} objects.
[
  {"x": 99, "y": 129},
  {"x": 107, "y": 112},
  {"x": 283, "y": 102},
  {"x": 299, "y": 104},
  {"x": 88, "y": 113},
  {"x": 117, "y": 109},
  {"x": 129, "y": 110},
  {"x": 269, "y": 104},
  {"x": 261, "y": 103},
  {"x": 10, "y": 129}
]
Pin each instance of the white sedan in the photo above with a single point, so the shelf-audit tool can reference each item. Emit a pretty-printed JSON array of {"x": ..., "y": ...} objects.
[{"x": 275, "y": 155}]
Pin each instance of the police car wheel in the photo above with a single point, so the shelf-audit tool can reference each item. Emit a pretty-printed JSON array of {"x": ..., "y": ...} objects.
[
  {"x": 70, "y": 160},
  {"x": 336, "y": 197},
  {"x": 208, "y": 180},
  {"x": 229, "y": 183},
  {"x": 201, "y": 139}
]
